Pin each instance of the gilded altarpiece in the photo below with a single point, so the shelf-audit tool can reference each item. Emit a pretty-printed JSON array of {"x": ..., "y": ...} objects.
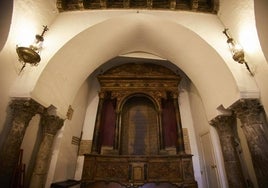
[{"x": 138, "y": 137}]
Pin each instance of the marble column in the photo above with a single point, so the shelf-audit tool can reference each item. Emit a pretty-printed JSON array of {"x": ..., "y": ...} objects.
[
  {"x": 50, "y": 125},
  {"x": 180, "y": 142},
  {"x": 254, "y": 126},
  {"x": 117, "y": 130},
  {"x": 22, "y": 111},
  {"x": 161, "y": 138},
  {"x": 95, "y": 143},
  {"x": 226, "y": 128}
]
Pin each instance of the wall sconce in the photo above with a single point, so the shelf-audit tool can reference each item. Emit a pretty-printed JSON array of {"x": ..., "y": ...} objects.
[
  {"x": 31, "y": 54},
  {"x": 237, "y": 51}
]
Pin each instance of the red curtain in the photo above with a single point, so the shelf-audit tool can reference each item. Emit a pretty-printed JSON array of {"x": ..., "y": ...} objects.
[
  {"x": 108, "y": 122},
  {"x": 169, "y": 124}
]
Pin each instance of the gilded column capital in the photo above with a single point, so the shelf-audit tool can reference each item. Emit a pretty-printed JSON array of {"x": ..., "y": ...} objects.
[
  {"x": 102, "y": 94},
  {"x": 173, "y": 4},
  {"x": 24, "y": 109},
  {"x": 118, "y": 95},
  {"x": 175, "y": 94},
  {"x": 149, "y": 4},
  {"x": 158, "y": 96},
  {"x": 126, "y": 3},
  {"x": 103, "y": 3}
]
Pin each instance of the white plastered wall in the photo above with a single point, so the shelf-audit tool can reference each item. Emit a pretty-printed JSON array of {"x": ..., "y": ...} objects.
[
  {"x": 208, "y": 28},
  {"x": 24, "y": 20},
  {"x": 201, "y": 127},
  {"x": 65, "y": 154},
  {"x": 239, "y": 17},
  {"x": 89, "y": 122},
  {"x": 187, "y": 122}
]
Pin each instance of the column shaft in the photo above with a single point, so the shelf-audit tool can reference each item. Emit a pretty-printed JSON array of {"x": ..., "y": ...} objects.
[
  {"x": 226, "y": 128},
  {"x": 117, "y": 129},
  {"x": 180, "y": 142},
  {"x": 95, "y": 143},
  {"x": 50, "y": 124},
  {"x": 161, "y": 138},
  {"x": 22, "y": 111},
  {"x": 254, "y": 126}
]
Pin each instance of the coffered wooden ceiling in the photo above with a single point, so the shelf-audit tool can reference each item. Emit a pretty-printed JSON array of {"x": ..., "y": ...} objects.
[{"x": 210, "y": 6}]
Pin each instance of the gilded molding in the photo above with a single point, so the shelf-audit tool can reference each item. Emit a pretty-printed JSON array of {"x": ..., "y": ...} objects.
[
  {"x": 133, "y": 79},
  {"x": 134, "y": 172}
]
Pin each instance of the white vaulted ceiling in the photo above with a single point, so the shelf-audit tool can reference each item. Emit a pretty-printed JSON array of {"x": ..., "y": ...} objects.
[
  {"x": 136, "y": 32},
  {"x": 78, "y": 42}
]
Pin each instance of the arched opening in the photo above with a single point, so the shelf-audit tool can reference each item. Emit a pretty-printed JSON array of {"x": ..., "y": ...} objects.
[
  {"x": 173, "y": 41},
  {"x": 139, "y": 127},
  {"x": 134, "y": 147}
]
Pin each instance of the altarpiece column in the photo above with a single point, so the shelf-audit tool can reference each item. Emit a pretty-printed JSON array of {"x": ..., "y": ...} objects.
[
  {"x": 95, "y": 143},
  {"x": 180, "y": 142}
]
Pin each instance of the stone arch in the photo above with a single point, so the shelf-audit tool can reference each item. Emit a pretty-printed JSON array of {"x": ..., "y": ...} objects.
[
  {"x": 75, "y": 61},
  {"x": 143, "y": 126}
]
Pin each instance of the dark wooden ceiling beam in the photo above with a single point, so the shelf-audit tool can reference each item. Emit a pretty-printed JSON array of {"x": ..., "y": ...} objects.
[{"x": 211, "y": 6}]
